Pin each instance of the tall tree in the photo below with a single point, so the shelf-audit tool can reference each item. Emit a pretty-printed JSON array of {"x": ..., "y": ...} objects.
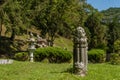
[
  {"x": 112, "y": 20},
  {"x": 19, "y": 16},
  {"x": 57, "y": 15},
  {"x": 113, "y": 33},
  {"x": 14, "y": 20},
  {"x": 2, "y": 4},
  {"x": 93, "y": 23}
]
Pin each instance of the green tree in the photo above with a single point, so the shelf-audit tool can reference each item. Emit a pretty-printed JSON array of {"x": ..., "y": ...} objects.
[
  {"x": 1, "y": 19},
  {"x": 117, "y": 46},
  {"x": 111, "y": 19},
  {"x": 13, "y": 20},
  {"x": 2, "y": 15},
  {"x": 97, "y": 30},
  {"x": 113, "y": 33},
  {"x": 18, "y": 16},
  {"x": 57, "y": 15}
]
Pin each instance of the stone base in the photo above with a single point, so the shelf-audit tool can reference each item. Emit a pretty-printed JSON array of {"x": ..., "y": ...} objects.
[
  {"x": 80, "y": 73},
  {"x": 80, "y": 69},
  {"x": 6, "y": 61}
]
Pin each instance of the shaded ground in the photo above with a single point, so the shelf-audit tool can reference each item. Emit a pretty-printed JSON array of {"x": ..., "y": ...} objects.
[{"x": 8, "y": 47}]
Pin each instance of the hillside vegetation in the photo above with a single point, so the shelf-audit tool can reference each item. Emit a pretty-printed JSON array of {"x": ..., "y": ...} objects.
[
  {"x": 111, "y": 13},
  {"x": 64, "y": 43},
  {"x": 56, "y": 20},
  {"x": 59, "y": 41}
]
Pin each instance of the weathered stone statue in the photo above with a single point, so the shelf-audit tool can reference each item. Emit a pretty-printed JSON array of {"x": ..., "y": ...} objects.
[
  {"x": 31, "y": 47},
  {"x": 41, "y": 42},
  {"x": 80, "y": 59}
]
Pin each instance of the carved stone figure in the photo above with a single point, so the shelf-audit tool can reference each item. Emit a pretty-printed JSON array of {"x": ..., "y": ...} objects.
[
  {"x": 80, "y": 59},
  {"x": 41, "y": 42}
]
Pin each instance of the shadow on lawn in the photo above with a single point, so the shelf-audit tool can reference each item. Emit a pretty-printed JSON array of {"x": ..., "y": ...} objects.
[{"x": 69, "y": 70}]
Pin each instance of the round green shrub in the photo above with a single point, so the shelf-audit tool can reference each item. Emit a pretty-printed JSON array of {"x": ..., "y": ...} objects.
[
  {"x": 117, "y": 46},
  {"x": 115, "y": 58},
  {"x": 53, "y": 54},
  {"x": 96, "y": 56},
  {"x": 21, "y": 56}
]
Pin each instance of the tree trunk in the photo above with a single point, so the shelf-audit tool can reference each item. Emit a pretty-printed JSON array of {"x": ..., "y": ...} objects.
[
  {"x": 51, "y": 42},
  {"x": 107, "y": 57},
  {"x": 12, "y": 35},
  {"x": 0, "y": 27}
]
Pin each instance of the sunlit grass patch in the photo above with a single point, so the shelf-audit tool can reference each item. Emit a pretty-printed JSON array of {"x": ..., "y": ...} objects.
[{"x": 47, "y": 71}]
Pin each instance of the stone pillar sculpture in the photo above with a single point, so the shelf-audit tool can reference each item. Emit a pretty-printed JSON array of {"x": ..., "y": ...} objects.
[
  {"x": 31, "y": 47},
  {"x": 80, "y": 59}
]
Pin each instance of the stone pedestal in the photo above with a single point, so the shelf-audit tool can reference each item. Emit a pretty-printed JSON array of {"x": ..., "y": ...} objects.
[
  {"x": 31, "y": 54},
  {"x": 80, "y": 59}
]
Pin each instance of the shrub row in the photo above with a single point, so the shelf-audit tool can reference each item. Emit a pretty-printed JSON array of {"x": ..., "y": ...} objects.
[
  {"x": 115, "y": 59},
  {"x": 96, "y": 56},
  {"x": 58, "y": 55},
  {"x": 21, "y": 56},
  {"x": 52, "y": 54}
]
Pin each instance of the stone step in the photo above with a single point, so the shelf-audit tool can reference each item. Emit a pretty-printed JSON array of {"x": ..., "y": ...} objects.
[{"x": 6, "y": 61}]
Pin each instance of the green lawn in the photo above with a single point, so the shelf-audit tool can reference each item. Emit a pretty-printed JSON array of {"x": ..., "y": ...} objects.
[
  {"x": 47, "y": 71},
  {"x": 64, "y": 43}
]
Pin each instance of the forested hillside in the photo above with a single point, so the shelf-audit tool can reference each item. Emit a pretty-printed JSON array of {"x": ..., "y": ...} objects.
[
  {"x": 111, "y": 13},
  {"x": 52, "y": 19},
  {"x": 111, "y": 18}
]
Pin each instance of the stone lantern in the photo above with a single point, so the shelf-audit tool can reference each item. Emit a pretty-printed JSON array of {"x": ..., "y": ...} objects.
[
  {"x": 31, "y": 47},
  {"x": 80, "y": 59}
]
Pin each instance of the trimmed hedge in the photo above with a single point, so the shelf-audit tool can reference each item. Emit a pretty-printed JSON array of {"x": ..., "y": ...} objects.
[
  {"x": 96, "y": 56},
  {"x": 115, "y": 58},
  {"x": 53, "y": 54},
  {"x": 117, "y": 46},
  {"x": 21, "y": 56}
]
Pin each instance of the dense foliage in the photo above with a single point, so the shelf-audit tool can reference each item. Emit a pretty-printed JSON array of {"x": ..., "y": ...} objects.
[
  {"x": 58, "y": 17},
  {"x": 21, "y": 56},
  {"x": 53, "y": 54},
  {"x": 96, "y": 56},
  {"x": 117, "y": 46},
  {"x": 97, "y": 31},
  {"x": 112, "y": 20},
  {"x": 111, "y": 13},
  {"x": 115, "y": 59}
]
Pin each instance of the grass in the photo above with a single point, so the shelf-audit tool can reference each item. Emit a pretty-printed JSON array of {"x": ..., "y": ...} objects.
[
  {"x": 64, "y": 43},
  {"x": 46, "y": 71}
]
